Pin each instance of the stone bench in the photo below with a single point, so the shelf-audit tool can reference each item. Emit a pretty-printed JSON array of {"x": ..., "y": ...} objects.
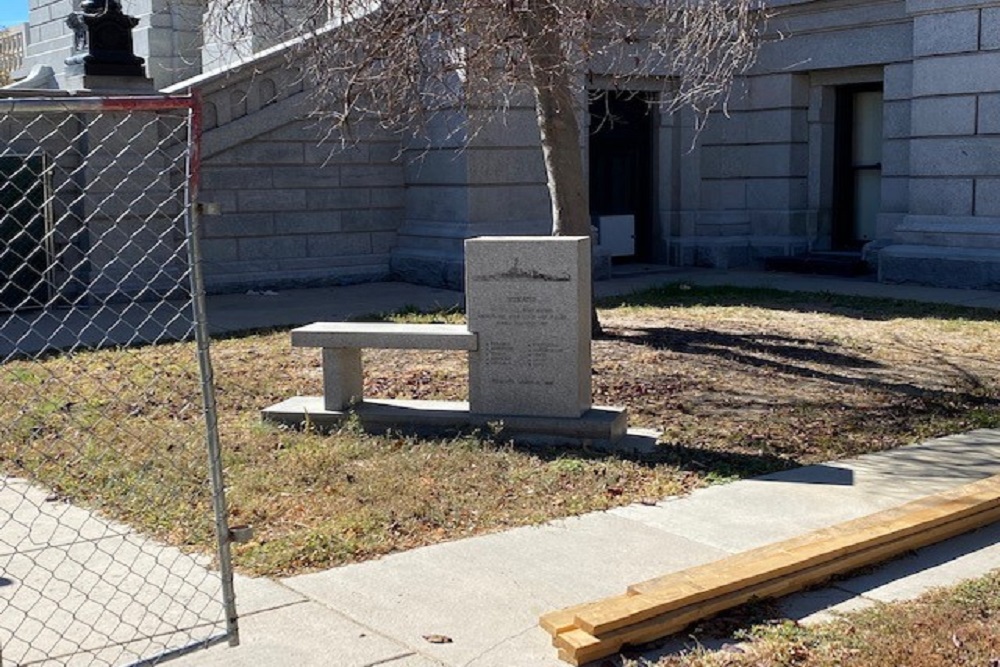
[
  {"x": 528, "y": 344},
  {"x": 342, "y": 342}
]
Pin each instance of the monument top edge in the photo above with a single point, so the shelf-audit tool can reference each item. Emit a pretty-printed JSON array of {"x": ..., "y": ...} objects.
[{"x": 495, "y": 239}]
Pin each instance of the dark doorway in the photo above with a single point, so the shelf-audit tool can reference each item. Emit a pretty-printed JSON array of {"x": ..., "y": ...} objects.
[
  {"x": 24, "y": 258},
  {"x": 857, "y": 185},
  {"x": 621, "y": 164}
]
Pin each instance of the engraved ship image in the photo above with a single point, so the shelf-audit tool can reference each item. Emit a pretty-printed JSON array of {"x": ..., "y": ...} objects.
[{"x": 515, "y": 272}]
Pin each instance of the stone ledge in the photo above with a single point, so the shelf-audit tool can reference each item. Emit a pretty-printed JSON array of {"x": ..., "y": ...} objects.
[
  {"x": 970, "y": 268},
  {"x": 600, "y": 427},
  {"x": 435, "y": 268},
  {"x": 973, "y": 232}
]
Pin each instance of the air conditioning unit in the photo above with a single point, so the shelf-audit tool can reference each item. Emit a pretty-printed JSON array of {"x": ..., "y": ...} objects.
[{"x": 616, "y": 234}]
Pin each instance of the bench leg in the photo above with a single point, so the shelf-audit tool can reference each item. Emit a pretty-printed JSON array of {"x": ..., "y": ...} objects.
[{"x": 342, "y": 378}]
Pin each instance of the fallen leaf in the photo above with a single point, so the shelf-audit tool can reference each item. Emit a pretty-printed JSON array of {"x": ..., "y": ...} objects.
[{"x": 438, "y": 639}]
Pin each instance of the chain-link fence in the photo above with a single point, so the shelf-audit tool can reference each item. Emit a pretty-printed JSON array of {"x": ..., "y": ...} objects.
[{"x": 108, "y": 502}]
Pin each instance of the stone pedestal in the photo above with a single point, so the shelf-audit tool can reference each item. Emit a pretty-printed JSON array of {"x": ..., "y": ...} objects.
[
  {"x": 123, "y": 85},
  {"x": 528, "y": 301},
  {"x": 106, "y": 61}
]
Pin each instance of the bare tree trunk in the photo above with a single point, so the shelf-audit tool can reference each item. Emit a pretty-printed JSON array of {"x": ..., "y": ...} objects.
[
  {"x": 560, "y": 131},
  {"x": 558, "y": 126}
]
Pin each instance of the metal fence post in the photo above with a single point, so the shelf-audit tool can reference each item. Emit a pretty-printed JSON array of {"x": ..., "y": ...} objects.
[{"x": 222, "y": 532}]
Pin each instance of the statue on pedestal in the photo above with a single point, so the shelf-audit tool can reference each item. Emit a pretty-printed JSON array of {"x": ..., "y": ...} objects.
[{"x": 105, "y": 32}]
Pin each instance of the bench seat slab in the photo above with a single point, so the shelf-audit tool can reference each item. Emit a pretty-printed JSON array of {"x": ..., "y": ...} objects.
[{"x": 385, "y": 335}]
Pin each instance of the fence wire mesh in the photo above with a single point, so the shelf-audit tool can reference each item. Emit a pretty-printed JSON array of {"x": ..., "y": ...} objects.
[{"x": 104, "y": 489}]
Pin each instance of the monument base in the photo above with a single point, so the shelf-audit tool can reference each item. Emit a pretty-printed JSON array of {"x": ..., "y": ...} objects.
[
  {"x": 110, "y": 84},
  {"x": 599, "y": 427}
]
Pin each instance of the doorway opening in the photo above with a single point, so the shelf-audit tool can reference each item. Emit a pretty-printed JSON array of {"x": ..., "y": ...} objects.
[
  {"x": 857, "y": 182},
  {"x": 24, "y": 252},
  {"x": 622, "y": 135}
]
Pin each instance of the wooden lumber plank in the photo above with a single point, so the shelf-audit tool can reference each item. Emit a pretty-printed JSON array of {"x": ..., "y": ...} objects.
[
  {"x": 654, "y": 598},
  {"x": 575, "y": 639},
  {"x": 680, "y": 619},
  {"x": 690, "y": 582},
  {"x": 561, "y": 620},
  {"x": 585, "y": 647},
  {"x": 567, "y": 656},
  {"x": 986, "y": 491},
  {"x": 571, "y": 658},
  {"x": 839, "y": 539}
]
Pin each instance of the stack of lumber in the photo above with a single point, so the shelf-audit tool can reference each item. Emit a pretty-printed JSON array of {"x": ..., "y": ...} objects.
[{"x": 659, "y": 607}]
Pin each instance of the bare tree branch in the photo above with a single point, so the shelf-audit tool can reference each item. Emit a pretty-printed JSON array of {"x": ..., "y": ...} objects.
[{"x": 408, "y": 62}]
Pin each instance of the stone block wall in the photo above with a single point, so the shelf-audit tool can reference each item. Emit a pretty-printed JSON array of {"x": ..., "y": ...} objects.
[
  {"x": 295, "y": 210},
  {"x": 114, "y": 207},
  {"x": 950, "y": 232},
  {"x": 169, "y": 37},
  {"x": 495, "y": 185},
  {"x": 745, "y": 194},
  {"x": 298, "y": 212},
  {"x": 760, "y": 181},
  {"x": 897, "y": 118},
  {"x": 50, "y": 41},
  {"x": 238, "y": 30}
]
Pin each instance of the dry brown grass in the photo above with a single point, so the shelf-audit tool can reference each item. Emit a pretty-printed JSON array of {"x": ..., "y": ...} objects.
[
  {"x": 801, "y": 378},
  {"x": 742, "y": 382},
  {"x": 761, "y": 379}
]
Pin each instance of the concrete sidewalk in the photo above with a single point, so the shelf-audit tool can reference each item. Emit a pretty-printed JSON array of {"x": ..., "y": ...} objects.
[
  {"x": 240, "y": 312},
  {"x": 486, "y": 593},
  {"x": 142, "y": 323}
]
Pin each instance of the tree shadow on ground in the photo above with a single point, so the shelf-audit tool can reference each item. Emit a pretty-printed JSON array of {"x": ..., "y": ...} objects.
[
  {"x": 783, "y": 354},
  {"x": 711, "y": 463},
  {"x": 858, "y": 307},
  {"x": 736, "y": 347},
  {"x": 913, "y": 413}
]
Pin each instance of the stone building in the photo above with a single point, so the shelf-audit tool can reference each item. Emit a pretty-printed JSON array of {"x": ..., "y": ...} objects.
[
  {"x": 12, "y": 45},
  {"x": 870, "y": 130}
]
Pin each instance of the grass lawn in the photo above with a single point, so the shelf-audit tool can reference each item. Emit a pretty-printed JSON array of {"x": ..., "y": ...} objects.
[
  {"x": 741, "y": 382},
  {"x": 943, "y": 628}
]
